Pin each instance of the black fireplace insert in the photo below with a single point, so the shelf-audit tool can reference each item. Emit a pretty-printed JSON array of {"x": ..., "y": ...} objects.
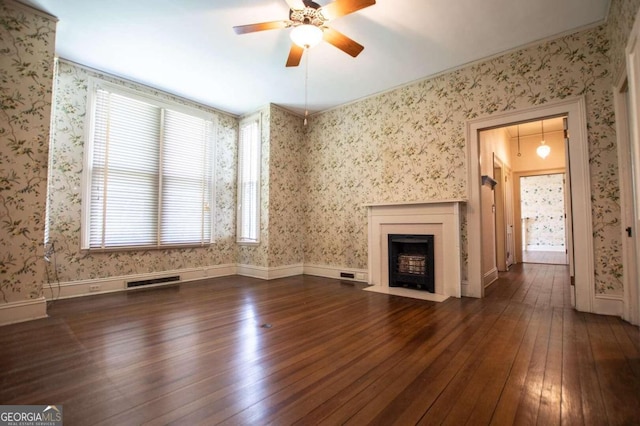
[{"x": 411, "y": 262}]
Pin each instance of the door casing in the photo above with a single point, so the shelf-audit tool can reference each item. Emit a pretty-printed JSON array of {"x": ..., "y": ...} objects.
[{"x": 575, "y": 110}]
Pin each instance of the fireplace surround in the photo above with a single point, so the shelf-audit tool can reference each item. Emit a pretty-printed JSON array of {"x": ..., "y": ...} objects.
[{"x": 439, "y": 219}]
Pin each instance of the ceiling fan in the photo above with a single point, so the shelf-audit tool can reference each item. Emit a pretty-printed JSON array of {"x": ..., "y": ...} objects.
[{"x": 308, "y": 20}]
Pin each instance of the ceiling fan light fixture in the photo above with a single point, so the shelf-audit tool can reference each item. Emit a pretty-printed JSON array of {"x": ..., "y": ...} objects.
[{"x": 306, "y": 35}]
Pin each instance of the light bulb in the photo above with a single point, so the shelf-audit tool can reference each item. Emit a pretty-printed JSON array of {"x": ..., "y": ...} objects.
[
  {"x": 306, "y": 35},
  {"x": 543, "y": 151}
]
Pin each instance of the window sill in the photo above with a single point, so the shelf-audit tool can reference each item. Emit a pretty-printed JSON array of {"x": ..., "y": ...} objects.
[{"x": 144, "y": 248}]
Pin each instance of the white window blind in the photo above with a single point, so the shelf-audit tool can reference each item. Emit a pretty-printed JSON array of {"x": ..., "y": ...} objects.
[
  {"x": 151, "y": 174},
  {"x": 249, "y": 181}
]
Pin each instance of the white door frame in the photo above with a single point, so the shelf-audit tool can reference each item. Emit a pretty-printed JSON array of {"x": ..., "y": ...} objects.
[
  {"x": 628, "y": 114},
  {"x": 575, "y": 109},
  {"x": 627, "y": 213}
]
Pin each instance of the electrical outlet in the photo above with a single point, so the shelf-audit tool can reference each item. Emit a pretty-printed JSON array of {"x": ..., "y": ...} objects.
[{"x": 94, "y": 287}]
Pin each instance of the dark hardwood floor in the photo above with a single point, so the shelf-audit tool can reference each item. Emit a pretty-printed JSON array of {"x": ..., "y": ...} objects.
[{"x": 307, "y": 350}]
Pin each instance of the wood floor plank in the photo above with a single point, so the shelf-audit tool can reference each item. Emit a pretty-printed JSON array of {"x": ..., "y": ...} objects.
[
  {"x": 292, "y": 379},
  {"x": 593, "y": 405},
  {"x": 487, "y": 384},
  {"x": 393, "y": 384},
  {"x": 571, "y": 411},
  {"x": 507, "y": 405},
  {"x": 529, "y": 404},
  {"x": 410, "y": 405},
  {"x": 310, "y": 350},
  {"x": 551, "y": 396},
  {"x": 631, "y": 351},
  {"x": 614, "y": 373},
  {"x": 341, "y": 389},
  {"x": 500, "y": 370}
]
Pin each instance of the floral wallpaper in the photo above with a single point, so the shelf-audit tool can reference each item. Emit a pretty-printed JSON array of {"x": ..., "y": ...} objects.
[
  {"x": 622, "y": 14},
  {"x": 285, "y": 182},
  {"x": 26, "y": 75},
  {"x": 409, "y": 145},
  {"x": 404, "y": 145},
  {"x": 281, "y": 197},
  {"x": 66, "y": 196},
  {"x": 542, "y": 209}
]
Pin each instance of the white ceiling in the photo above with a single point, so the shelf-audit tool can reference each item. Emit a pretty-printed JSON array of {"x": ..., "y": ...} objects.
[
  {"x": 535, "y": 127},
  {"x": 188, "y": 47}
]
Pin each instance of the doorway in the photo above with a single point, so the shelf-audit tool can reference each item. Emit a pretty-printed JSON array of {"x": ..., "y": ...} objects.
[
  {"x": 581, "y": 266},
  {"x": 543, "y": 219},
  {"x": 517, "y": 172}
]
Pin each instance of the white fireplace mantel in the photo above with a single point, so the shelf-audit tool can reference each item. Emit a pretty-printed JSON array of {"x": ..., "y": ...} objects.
[{"x": 438, "y": 218}]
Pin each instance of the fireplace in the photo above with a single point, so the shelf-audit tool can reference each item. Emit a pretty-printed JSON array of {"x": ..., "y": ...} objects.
[
  {"x": 411, "y": 262},
  {"x": 429, "y": 242}
]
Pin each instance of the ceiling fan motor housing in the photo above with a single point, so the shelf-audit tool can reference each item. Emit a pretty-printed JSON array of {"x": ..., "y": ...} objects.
[{"x": 310, "y": 15}]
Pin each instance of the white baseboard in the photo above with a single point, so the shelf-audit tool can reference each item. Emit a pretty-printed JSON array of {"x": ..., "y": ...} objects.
[
  {"x": 70, "y": 289},
  {"x": 66, "y": 290},
  {"x": 608, "y": 305},
  {"x": 360, "y": 275},
  {"x": 266, "y": 273},
  {"x": 545, "y": 248},
  {"x": 489, "y": 277},
  {"x": 23, "y": 310},
  {"x": 464, "y": 288}
]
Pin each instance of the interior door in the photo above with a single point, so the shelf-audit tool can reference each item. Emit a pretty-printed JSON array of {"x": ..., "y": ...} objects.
[
  {"x": 569, "y": 212},
  {"x": 627, "y": 203},
  {"x": 632, "y": 297},
  {"x": 509, "y": 215},
  {"x": 500, "y": 227},
  {"x": 566, "y": 218}
]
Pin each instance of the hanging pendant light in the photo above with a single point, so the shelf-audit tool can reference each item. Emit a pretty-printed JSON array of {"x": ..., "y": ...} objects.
[
  {"x": 544, "y": 149},
  {"x": 519, "y": 153}
]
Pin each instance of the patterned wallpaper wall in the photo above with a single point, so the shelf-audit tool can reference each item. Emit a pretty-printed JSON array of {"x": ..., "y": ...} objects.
[
  {"x": 403, "y": 145},
  {"x": 66, "y": 200},
  {"x": 619, "y": 23},
  {"x": 285, "y": 182},
  {"x": 542, "y": 209},
  {"x": 409, "y": 145},
  {"x": 281, "y": 196},
  {"x": 26, "y": 74}
]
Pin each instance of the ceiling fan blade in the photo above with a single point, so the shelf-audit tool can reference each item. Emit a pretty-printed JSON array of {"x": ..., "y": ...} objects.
[
  {"x": 344, "y": 7},
  {"x": 295, "y": 4},
  {"x": 251, "y": 28},
  {"x": 295, "y": 54},
  {"x": 342, "y": 42}
]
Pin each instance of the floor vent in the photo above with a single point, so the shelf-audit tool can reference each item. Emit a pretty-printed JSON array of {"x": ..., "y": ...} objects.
[{"x": 152, "y": 281}]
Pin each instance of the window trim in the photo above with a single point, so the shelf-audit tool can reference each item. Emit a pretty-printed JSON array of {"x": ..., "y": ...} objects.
[
  {"x": 94, "y": 84},
  {"x": 254, "y": 118}
]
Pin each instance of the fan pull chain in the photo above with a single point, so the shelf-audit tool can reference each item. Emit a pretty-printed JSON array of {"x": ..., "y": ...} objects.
[{"x": 306, "y": 84}]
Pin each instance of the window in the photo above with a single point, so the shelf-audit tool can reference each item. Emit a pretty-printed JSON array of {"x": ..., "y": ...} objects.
[
  {"x": 249, "y": 181},
  {"x": 149, "y": 173}
]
